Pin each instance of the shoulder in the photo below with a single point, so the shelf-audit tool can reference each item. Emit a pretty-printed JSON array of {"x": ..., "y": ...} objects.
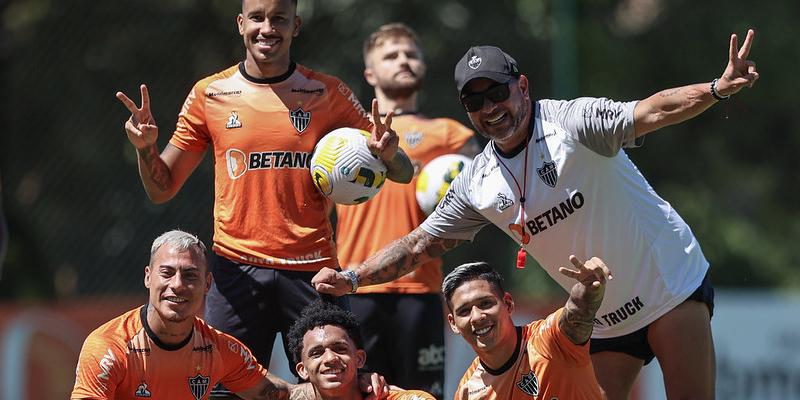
[
  {"x": 119, "y": 329},
  {"x": 202, "y": 84},
  {"x": 410, "y": 395},
  {"x": 330, "y": 81}
]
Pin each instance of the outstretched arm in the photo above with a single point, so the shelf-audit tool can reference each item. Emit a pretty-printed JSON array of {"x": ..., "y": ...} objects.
[
  {"x": 393, "y": 261},
  {"x": 162, "y": 175},
  {"x": 676, "y": 105},
  {"x": 386, "y": 145},
  {"x": 584, "y": 298}
]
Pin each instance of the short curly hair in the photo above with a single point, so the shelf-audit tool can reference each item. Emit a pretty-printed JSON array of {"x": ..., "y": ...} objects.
[{"x": 318, "y": 314}]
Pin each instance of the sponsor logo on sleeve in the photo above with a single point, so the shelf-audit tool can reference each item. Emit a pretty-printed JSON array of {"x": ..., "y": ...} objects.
[{"x": 106, "y": 363}]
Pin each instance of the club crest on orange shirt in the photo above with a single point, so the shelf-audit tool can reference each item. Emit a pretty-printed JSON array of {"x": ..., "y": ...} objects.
[
  {"x": 529, "y": 384},
  {"x": 300, "y": 119},
  {"x": 199, "y": 386}
]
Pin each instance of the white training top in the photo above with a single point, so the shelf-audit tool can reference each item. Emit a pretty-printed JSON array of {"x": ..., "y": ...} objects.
[{"x": 584, "y": 197}]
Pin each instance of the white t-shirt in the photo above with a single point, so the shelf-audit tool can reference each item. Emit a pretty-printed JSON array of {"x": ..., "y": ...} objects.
[{"x": 584, "y": 197}]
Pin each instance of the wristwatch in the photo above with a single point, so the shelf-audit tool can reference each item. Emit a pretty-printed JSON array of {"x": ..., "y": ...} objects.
[{"x": 353, "y": 278}]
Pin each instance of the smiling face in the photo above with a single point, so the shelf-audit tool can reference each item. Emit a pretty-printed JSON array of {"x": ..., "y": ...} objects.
[
  {"x": 505, "y": 122},
  {"x": 267, "y": 27},
  {"x": 330, "y": 360},
  {"x": 178, "y": 281},
  {"x": 482, "y": 316},
  {"x": 395, "y": 66}
]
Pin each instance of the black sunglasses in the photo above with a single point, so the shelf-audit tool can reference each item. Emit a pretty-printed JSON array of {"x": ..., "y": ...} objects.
[{"x": 496, "y": 94}]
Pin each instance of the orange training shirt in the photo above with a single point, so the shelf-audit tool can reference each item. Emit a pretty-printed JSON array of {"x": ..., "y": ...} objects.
[
  {"x": 548, "y": 366},
  {"x": 267, "y": 211},
  {"x": 364, "y": 229},
  {"x": 123, "y": 359}
]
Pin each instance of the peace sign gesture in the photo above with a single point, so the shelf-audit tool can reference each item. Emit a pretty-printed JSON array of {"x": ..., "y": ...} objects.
[
  {"x": 592, "y": 274},
  {"x": 384, "y": 142},
  {"x": 740, "y": 71},
  {"x": 141, "y": 126}
]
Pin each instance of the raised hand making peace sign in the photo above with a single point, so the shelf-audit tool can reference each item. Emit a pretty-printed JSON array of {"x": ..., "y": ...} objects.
[
  {"x": 141, "y": 126},
  {"x": 740, "y": 71},
  {"x": 384, "y": 142}
]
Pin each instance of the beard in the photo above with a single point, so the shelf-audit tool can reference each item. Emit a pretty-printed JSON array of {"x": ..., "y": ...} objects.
[{"x": 395, "y": 90}]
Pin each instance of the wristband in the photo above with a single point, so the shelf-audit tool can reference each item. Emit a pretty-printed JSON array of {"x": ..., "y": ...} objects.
[
  {"x": 714, "y": 92},
  {"x": 353, "y": 278}
]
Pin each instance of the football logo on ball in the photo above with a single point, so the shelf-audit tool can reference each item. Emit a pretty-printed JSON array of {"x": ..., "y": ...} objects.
[
  {"x": 343, "y": 168},
  {"x": 436, "y": 177}
]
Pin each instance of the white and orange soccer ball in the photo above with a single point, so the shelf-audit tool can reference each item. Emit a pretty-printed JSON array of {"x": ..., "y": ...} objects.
[
  {"x": 344, "y": 169},
  {"x": 436, "y": 177}
]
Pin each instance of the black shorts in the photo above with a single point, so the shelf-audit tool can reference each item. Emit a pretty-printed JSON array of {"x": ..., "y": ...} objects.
[
  {"x": 635, "y": 344},
  {"x": 404, "y": 338},
  {"x": 254, "y": 303}
]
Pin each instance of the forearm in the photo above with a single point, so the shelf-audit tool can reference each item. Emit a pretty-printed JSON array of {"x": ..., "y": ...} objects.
[
  {"x": 672, "y": 106},
  {"x": 274, "y": 388},
  {"x": 578, "y": 317},
  {"x": 403, "y": 256},
  {"x": 399, "y": 168},
  {"x": 155, "y": 175}
]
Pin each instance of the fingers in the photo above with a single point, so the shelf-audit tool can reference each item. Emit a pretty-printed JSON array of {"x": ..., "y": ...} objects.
[
  {"x": 569, "y": 273},
  {"x": 733, "y": 48},
  {"x": 145, "y": 98},
  {"x": 388, "y": 121},
  {"x": 127, "y": 102},
  {"x": 748, "y": 41},
  {"x": 594, "y": 267}
]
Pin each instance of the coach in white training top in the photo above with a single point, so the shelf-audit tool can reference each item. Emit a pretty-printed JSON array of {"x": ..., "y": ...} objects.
[{"x": 554, "y": 179}]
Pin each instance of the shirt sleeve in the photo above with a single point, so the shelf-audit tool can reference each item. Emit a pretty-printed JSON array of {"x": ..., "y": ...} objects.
[
  {"x": 242, "y": 370},
  {"x": 348, "y": 110},
  {"x": 101, "y": 367},
  {"x": 410, "y": 395},
  {"x": 191, "y": 132},
  {"x": 549, "y": 341},
  {"x": 602, "y": 125},
  {"x": 454, "y": 217}
]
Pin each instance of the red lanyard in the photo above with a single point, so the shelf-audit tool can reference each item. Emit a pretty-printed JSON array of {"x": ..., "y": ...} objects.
[{"x": 519, "y": 227}]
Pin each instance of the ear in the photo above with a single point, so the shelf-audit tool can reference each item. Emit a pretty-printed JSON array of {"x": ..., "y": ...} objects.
[
  {"x": 240, "y": 23},
  {"x": 209, "y": 278},
  {"x": 523, "y": 85},
  {"x": 301, "y": 371},
  {"x": 147, "y": 276},
  {"x": 369, "y": 76},
  {"x": 297, "y": 23},
  {"x": 509, "y": 302},
  {"x": 361, "y": 358},
  {"x": 452, "y": 321}
]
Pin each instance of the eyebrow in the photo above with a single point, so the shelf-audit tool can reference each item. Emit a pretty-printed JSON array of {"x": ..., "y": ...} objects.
[{"x": 478, "y": 300}]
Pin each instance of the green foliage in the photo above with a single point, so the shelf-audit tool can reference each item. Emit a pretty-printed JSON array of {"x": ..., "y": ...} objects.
[{"x": 74, "y": 196}]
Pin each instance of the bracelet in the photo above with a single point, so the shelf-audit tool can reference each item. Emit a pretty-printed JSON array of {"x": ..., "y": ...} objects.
[
  {"x": 714, "y": 92},
  {"x": 353, "y": 278}
]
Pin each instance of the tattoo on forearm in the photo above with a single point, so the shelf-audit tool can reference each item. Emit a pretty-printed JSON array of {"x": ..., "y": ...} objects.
[
  {"x": 301, "y": 392},
  {"x": 158, "y": 171},
  {"x": 403, "y": 256},
  {"x": 578, "y": 317},
  {"x": 669, "y": 92}
]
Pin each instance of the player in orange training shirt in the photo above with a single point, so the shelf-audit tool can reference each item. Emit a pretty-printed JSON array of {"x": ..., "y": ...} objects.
[
  {"x": 162, "y": 350},
  {"x": 261, "y": 120},
  {"x": 545, "y": 359},
  {"x": 327, "y": 349},
  {"x": 404, "y": 338}
]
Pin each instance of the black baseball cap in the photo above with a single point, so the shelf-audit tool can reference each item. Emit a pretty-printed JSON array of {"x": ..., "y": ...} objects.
[{"x": 485, "y": 62}]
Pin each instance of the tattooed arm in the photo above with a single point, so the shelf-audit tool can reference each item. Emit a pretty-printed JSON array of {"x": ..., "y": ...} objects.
[
  {"x": 395, "y": 260},
  {"x": 162, "y": 176},
  {"x": 676, "y": 105},
  {"x": 584, "y": 298}
]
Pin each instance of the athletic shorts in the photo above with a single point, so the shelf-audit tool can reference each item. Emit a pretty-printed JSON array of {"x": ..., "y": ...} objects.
[
  {"x": 635, "y": 344},
  {"x": 254, "y": 303},
  {"x": 404, "y": 338}
]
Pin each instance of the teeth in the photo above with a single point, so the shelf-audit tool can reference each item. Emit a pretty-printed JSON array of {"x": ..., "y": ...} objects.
[
  {"x": 334, "y": 371},
  {"x": 175, "y": 299},
  {"x": 483, "y": 330},
  {"x": 268, "y": 42},
  {"x": 496, "y": 119}
]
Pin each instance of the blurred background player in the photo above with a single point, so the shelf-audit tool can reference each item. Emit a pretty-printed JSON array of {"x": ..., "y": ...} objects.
[
  {"x": 403, "y": 336},
  {"x": 261, "y": 118},
  {"x": 545, "y": 359},
  {"x": 584, "y": 196},
  {"x": 327, "y": 349},
  {"x": 163, "y": 350}
]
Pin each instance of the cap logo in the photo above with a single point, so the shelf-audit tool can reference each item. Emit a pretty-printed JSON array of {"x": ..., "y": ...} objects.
[{"x": 474, "y": 62}]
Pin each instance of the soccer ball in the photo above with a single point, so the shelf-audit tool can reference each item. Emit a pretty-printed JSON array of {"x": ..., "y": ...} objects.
[
  {"x": 344, "y": 169},
  {"x": 436, "y": 177}
]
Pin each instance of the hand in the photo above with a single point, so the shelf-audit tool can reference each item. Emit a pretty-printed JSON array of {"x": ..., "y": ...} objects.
[
  {"x": 740, "y": 71},
  {"x": 373, "y": 384},
  {"x": 384, "y": 142},
  {"x": 141, "y": 126},
  {"x": 330, "y": 281},
  {"x": 593, "y": 274}
]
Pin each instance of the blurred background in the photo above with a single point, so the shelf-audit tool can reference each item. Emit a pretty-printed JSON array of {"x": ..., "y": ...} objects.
[{"x": 79, "y": 225}]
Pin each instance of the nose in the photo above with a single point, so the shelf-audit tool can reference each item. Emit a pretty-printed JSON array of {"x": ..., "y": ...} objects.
[
  {"x": 475, "y": 314},
  {"x": 266, "y": 27},
  {"x": 330, "y": 358}
]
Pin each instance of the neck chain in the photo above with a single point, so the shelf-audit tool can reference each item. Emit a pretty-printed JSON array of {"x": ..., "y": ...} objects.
[{"x": 519, "y": 228}]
